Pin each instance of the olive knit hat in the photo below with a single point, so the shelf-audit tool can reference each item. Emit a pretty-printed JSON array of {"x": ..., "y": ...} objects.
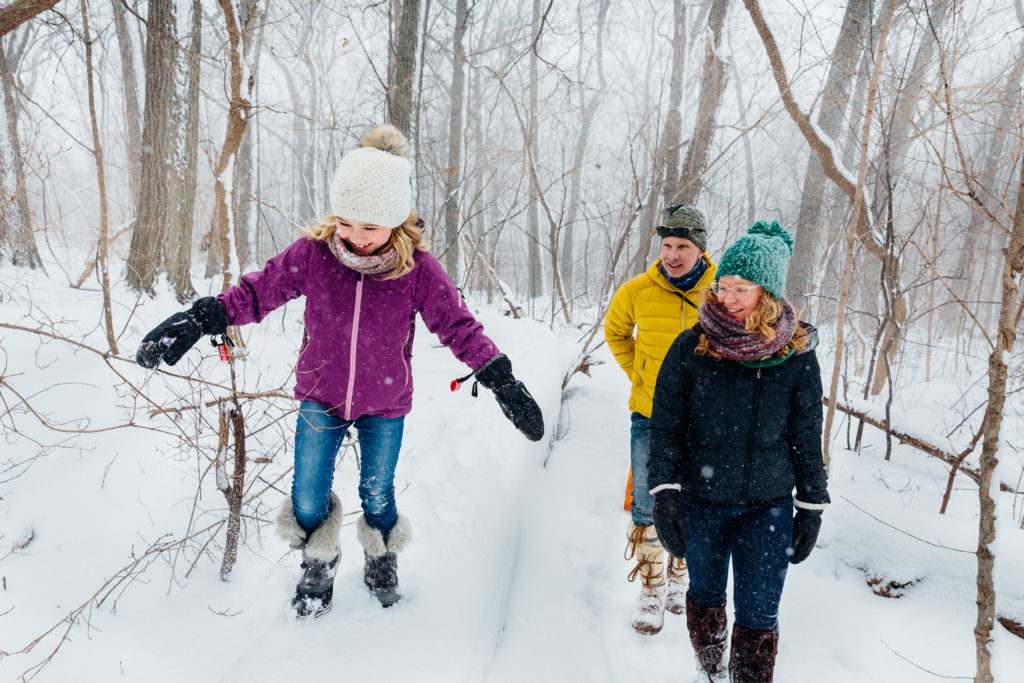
[
  {"x": 686, "y": 221},
  {"x": 371, "y": 184},
  {"x": 761, "y": 256}
]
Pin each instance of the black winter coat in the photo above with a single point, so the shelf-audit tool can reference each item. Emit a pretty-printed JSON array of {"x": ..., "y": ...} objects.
[{"x": 730, "y": 434}]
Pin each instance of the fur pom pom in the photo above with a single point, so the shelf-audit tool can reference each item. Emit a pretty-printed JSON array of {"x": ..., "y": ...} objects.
[
  {"x": 772, "y": 229},
  {"x": 388, "y": 139}
]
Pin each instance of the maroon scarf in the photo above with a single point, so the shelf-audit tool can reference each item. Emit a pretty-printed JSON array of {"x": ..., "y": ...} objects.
[{"x": 729, "y": 337}]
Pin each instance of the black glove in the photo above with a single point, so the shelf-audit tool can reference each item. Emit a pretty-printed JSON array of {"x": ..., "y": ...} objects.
[
  {"x": 173, "y": 337},
  {"x": 806, "y": 525},
  {"x": 515, "y": 401},
  {"x": 670, "y": 523}
]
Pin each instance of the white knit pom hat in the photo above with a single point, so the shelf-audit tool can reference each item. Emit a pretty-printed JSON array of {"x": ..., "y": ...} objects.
[{"x": 371, "y": 184}]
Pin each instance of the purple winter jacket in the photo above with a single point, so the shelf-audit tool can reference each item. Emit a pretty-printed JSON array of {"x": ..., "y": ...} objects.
[{"x": 359, "y": 328}]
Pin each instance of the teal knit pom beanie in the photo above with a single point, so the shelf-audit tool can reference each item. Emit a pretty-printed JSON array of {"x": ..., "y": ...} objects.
[{"x": 761, "y": 256}]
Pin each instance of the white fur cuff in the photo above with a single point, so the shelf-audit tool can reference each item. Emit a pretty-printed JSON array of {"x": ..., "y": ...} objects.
[
  {"x": 373, "y": 541},
  {"x": 322, "y": 543},
  {"x": 666, "y": 487}
]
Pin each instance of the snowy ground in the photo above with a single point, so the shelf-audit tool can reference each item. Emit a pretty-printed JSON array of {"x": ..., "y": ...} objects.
[{"x": 516, "y": 569}]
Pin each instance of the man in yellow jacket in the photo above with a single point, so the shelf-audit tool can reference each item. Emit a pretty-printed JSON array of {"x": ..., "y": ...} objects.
[{"x": 658, "y": 304}]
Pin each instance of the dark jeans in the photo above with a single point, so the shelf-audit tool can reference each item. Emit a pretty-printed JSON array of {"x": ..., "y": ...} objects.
[
  {"x": 757, "y": 538},
  {"x": 318, "y": 437}
]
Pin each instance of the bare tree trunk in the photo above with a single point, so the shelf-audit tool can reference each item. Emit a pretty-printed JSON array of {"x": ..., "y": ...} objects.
[
  {"x": 671, "y": 143},
  {"x": 712, "y": 87},
  {"x": 241, "y": 190},
  {"x": 97, "y": 149},
  {"x": 1010, "y": 309},
  {"x": 402, "y": 64},
  {"x": 582, "y": 140},
  {"x": 835, "y": 101},
  {"x": 180, "y": 261},
  {"x": 156, "y": 198},
  {"x": 132, "y": 117},
  {"x": 453, "y": 172},
  {"x": 21, "y": 240},
  {"x": 534, "y": 284}
]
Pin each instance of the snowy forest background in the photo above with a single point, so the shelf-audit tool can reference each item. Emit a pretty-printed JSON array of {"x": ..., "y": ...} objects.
[{"x": 153, "y": 151}]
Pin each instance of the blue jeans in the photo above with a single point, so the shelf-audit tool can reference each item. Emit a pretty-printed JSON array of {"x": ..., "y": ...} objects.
[
  {"x": 757, "y": 538},
  {"x": 318, "y": 437},
  {"x": 639, "y": 448}
]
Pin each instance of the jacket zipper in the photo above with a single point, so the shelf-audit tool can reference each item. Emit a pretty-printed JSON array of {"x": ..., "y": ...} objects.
[
  {"x": 352, "y": 350},
  {"x": 752, "y": 436}
]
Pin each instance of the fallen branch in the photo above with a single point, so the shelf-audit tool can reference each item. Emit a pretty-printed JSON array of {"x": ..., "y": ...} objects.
[{"x": 951, "y": 459}]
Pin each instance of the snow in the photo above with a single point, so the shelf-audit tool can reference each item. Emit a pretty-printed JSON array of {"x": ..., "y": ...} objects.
[{"x": 515, "y": 571}]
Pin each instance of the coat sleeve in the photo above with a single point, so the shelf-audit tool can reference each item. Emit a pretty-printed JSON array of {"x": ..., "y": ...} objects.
[
  {"x": 618, "y": 328},
  {"x": 446, "y": 315},
  {"x": 669, "y": 419},
  {"x": 260, "y": 292},
  {"x": 805, "y": 428}
]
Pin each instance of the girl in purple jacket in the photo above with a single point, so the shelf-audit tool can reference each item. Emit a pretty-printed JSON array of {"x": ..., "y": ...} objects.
[{"x": 365, "y": 272}]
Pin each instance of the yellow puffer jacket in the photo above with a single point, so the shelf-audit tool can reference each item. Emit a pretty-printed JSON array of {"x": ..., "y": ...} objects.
[{"x": 659, "y": 313}]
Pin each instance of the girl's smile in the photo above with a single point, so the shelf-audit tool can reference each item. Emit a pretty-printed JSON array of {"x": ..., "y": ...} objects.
[{"x": 362, "y": 238}]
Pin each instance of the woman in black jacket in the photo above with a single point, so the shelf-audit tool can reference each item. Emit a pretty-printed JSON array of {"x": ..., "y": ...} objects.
[{"x": 735, "y": 428}]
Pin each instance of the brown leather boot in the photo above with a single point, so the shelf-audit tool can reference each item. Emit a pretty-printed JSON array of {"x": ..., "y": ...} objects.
[
  {"x": 753, "y": 655},
  {"x": 707, "y": 635}
]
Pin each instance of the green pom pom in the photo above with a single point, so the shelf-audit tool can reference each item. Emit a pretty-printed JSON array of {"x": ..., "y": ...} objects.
[{"x": 772, "y": 229}]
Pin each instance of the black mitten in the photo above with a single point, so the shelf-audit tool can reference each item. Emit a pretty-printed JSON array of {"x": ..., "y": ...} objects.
[
  {"x": 515, "y": 401},
  {"x": 806, "y": 525},
  {"x": 173, "y": 337},
  {"x": 670, "y": 522}
]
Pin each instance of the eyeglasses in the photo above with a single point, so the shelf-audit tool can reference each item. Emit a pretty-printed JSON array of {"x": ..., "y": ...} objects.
[{"x": 741, "y": 291}]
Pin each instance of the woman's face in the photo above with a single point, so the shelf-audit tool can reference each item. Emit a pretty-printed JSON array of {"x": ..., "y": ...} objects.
[
  {"x": 362, "y": 238},
  {"x": 738, "y": 297}
]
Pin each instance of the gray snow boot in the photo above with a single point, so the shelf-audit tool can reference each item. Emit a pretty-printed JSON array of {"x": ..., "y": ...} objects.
[
  {"x": 320, "y": 558},
  {"x": 380, "y": 569}
]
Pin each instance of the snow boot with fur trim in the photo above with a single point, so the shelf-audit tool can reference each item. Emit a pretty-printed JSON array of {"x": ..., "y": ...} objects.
[
  {"x": 320, "y": 557},
  {"x": 380, "y": 569},
  {"x": 678, "y": 582},
  {"x": 707, "y": 636},
  {"x": 643, "y": 544},
  {"x": 753, "y": 655}
]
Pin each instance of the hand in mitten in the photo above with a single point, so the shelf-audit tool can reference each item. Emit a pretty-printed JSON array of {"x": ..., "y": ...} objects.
[
  {"x": 806, "y": 524},
  {"x": 670, "y": 523},
  {"x": 515, "y": 401},
  {"x": 173, "y": 337}
]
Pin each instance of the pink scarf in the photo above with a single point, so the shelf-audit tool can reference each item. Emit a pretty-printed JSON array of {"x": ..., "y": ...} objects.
[{"x": 374, "y": 264}]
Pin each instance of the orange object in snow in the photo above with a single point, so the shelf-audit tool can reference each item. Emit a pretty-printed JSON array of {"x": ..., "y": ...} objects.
[{"x": 628, "y": 505}]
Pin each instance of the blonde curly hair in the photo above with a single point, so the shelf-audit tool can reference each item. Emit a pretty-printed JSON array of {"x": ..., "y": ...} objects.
[{"x": 760, "y": 321}]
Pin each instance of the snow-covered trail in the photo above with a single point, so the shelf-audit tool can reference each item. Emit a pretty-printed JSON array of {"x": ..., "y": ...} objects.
[{"x": 515, "y": 571}]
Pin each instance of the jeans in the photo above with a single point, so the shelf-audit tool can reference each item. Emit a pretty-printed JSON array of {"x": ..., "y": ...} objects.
[
  {"x": 639, "y": 447},
  {"x": 318, "y": 437},
  {"x": 757, "y": 538}
]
